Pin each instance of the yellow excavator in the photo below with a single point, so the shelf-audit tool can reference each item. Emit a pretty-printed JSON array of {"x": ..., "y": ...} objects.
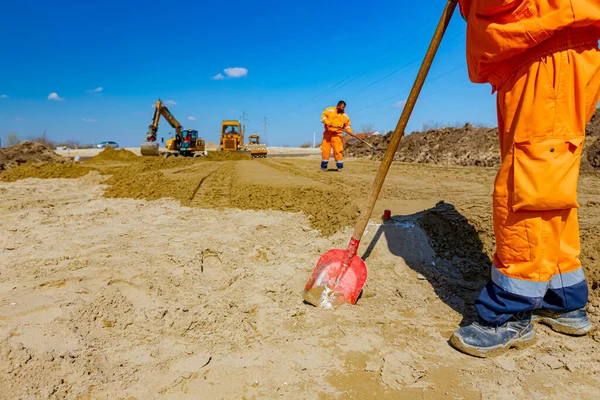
[{"x": 186, "y": 143}]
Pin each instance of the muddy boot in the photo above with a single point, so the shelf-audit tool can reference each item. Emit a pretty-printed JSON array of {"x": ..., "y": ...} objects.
[
  {"x": 324, "y": 165},
  {"x": 483, "y": 340},
  {"x": 573, "y": 323}
]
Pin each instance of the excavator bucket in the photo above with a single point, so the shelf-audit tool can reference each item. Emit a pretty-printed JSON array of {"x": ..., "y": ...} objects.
[{"x": 149, "y": 149}]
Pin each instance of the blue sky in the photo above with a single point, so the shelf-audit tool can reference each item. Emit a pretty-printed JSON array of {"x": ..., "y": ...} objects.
[{"x": 103, "y": 65}]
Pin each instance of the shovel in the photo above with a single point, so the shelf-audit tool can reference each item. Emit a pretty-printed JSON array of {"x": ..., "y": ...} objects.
[
  {"x": 364, "y": 141},
  {"x": 340, "y": 274}
]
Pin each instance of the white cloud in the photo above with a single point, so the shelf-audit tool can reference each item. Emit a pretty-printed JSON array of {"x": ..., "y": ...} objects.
[
  {"x": 190, "y": 118},
  {"x": 19, "y": 119},
  {"x": 89, "y": 120},
  {"x": 4, "y": 96},
  {"x": 170, "y": 102},
  {"x": 54, "y": 96},
  {"x": 231, "y": 72},
  {"x": 98, "y": 89},
  {"x": 399, "y": 104},
  {"x": 235, "y": 72}
]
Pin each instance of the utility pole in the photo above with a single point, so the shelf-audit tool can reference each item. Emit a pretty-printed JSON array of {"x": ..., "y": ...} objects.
[
  {"x": 244, "y": 118},
  {"x": 314, "y": 139},
  {"x": 265, "y": 122}
]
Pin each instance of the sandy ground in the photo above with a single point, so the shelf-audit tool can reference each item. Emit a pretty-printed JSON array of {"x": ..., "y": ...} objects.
[
  {"x": 185, "y": 280},
  {"x": 273, "y": 150}
]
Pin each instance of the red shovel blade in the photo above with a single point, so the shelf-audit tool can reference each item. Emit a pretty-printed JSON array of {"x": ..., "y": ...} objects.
[{"x": 327, "y": 289}]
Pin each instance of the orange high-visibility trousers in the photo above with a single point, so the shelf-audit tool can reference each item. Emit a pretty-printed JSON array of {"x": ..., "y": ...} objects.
[
  {"x": 332, "y": 141},
  {"x": 543, "y": 108}
]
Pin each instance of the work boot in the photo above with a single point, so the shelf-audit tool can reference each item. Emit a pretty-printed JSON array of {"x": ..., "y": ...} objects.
[
  {"x": 573, "y": 323},
  {"x": 481, "y": 339},
  {"x": 339, "y": 165},
  {"x": 324, "y": 165}
]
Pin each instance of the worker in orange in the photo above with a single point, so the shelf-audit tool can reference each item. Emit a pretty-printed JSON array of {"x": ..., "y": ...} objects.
[
  {"x": 543, "y": 62},
  {"x": 336, "y": 122}
]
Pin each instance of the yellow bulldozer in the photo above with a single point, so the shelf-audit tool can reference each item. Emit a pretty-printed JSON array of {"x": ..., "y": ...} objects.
[
  {"x": 186, "y": 143},
  {"x": 232, "y": 136},
  {"x": 232, "y": 139}
]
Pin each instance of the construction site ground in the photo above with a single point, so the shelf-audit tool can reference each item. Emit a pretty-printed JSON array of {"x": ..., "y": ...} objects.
[{"x": 141, "y": 278}]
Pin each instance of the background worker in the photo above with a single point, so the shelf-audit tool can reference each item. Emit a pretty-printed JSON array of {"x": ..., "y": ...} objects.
[
  {"x": 542, "y": 60},
  {"x": 336, "y": 122}
]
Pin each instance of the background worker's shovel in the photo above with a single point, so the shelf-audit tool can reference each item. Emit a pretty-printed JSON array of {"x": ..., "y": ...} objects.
[
  {"x": 341, "y": 274},
  {"x": 364, "y": 141}
]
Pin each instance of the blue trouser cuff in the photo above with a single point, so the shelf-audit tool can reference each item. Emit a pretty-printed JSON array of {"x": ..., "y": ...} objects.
[
  {"x": 339, "y": 164},
  {"x": 324, "y": 164},
  {"x": 496, "y": 305}
]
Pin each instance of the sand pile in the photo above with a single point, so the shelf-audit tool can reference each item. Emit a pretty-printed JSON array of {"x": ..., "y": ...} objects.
[
  {"x": 322, "y": 206},
  {"x": 28, "y": 152},
  {"x": 45, "y": 170},
  {"x": 110, "y": 154},
  {"x": 211, "y": 146}
]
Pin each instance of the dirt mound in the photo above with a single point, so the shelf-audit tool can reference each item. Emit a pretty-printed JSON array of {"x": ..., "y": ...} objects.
[
  {"x": 593, "y": 128},
  {"x": 211, "y": 146},
  {"x": 466, "y": 146},
  {"x": 322, "y": 206},
  {"x": 28, "y": 152},
  {"x": 110, "y": 154},
  {"x": 44, "y": 171},
  {"x": 593, "y": 154}
]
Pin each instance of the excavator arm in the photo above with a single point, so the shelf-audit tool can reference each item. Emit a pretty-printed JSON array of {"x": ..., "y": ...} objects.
[{"x": 161, "y": 110}]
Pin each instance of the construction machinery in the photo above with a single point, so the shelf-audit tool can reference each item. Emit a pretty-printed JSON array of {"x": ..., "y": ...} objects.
[
  {"x": 185, "y": 143},
  {"x": 232, "y": 136},
  {"x": 232, "y": 139},
  {"x": 255, "y": 147}
]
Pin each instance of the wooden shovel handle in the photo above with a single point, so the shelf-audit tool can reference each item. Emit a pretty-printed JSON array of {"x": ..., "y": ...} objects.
[{"x": 399, "y": 131}]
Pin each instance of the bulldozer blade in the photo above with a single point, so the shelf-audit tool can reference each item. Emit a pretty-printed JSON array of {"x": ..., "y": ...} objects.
[{"x": 149, "y": 149}]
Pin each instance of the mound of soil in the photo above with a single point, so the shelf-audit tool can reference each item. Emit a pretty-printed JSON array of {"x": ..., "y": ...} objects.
[
  {"x": 592, "y": 155},
  {"x": 32, "y": 152},
  {"x": 44, "y": 170},
  {"x": 211, "y": 146},
  {"x": 466, "y": 146},
  {"x": 593, "y": 128},
  {"x": 110, "y": 154}
]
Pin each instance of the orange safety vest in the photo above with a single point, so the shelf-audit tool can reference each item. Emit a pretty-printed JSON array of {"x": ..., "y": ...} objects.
[
  {"x": 335, "y": 124},
  {"x": 500, "y": 32}
]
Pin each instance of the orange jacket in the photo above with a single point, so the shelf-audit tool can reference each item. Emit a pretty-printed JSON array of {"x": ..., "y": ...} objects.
[
  {"x": 334, "y": 122},
  {"x": 500, "y": 31}
]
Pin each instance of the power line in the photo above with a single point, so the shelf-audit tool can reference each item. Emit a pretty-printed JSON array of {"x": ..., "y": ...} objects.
[
  {"x": 400, "y": 69},
  {"x": 353, "y": 77},
  {"x": 426, "y": 82}
]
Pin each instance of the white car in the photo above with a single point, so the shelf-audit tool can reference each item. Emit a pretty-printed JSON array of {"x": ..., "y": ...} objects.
[{"x": 102, "y": 145}]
